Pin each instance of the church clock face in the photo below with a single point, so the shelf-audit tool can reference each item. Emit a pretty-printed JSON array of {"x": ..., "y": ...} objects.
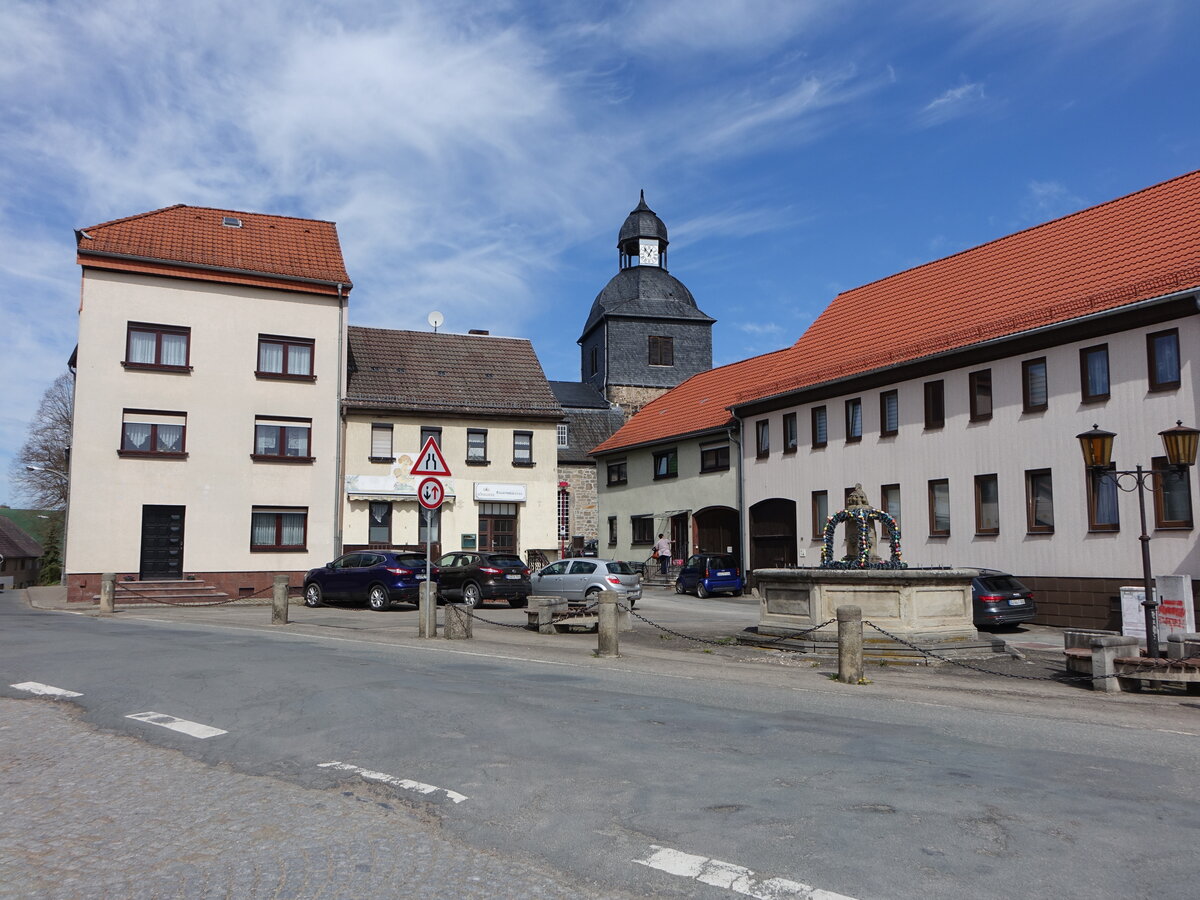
[{"x": 648, "y": 253}]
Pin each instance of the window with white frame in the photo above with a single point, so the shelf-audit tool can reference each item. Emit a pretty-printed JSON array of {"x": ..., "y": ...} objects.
[
  {"x": 381, "y": 442},
  {"x": 564, "y": 435}
]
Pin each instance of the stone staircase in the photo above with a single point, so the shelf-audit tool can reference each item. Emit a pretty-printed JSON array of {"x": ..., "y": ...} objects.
[{"x": 191, "y": 592}]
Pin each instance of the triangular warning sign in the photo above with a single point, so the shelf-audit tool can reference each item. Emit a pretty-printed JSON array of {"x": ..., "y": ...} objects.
[{"x": 430, "y": 460}]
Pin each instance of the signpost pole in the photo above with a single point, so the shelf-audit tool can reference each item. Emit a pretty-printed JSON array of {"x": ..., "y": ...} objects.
[
  {"x": 427, "y": 599},
  {"x": 430, "y": 494}
]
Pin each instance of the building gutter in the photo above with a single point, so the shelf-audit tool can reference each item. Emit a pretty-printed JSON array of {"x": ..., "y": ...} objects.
[
  {"x": 340, "y": 444},
  {"x": 990, "y": 342},
  {"x": 735, "y": 437},
  {"x": 340, "y": 285}
]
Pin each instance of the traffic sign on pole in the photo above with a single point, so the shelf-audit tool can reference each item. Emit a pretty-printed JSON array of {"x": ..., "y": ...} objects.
[
  {"x": 430, "y": 493},
  {"x": 430, "y": 460}
]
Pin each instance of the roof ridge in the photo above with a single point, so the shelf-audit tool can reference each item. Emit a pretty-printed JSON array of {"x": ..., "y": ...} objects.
[
  {"x": 501, "y": 337},
  {"x": 1009, "y": 236},
  {"x": 216, "y": 209}
]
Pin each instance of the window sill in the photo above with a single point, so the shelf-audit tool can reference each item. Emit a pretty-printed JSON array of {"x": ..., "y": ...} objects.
[
  {"x": 854, "y": 440},
  {"x": 1183, "y": 526},
  {"x": 381, "y": 459},
  {"x": 278, "y": 549},
  {"x": 155, "y": 367},
  {"x": 945, "y": 534},
  {"x": 890, "y": 434},
  {"x": 711, "y": 469},
  {"x": 975, "y": 420},
  {"x": 987, "y": 534},
  {"x": 1099, "y": 398},
  {"x": 1032, "y": 410},
  {"x": 262, "y": 457},
  {"x": 150, "y": 454},
  {"x": 477, "y": 462},
  {"x": 283, "y": 376},
  {"x": 665, "y": 477},
  {"x": 1159, "y": 388},
  {"x": 1104, "y": 529},
  {"x": 789, "y": 450},
  {"x": 1041, "y": 532},
  {"x": 617, "y": 483},
  {"x": 820, "y": 446},
  {"x": 766, "y": 455},
  {"x": 523, "y": 465}
]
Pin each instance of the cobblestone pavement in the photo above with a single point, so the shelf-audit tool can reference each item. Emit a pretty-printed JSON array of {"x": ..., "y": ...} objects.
[{"x": 85, "y": 814}]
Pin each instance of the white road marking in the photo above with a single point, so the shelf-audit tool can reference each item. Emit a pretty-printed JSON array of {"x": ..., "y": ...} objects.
[
  {"x": 405, "y": 783},
  {"x": 195, "y": 729},
  {"x": 738, "y": 879},
  {"x": 44, "y": 690}
]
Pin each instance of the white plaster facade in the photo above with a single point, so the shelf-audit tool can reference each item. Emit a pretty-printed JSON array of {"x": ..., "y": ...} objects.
[
  {"x": 217, "y": 482},
  {"x": 1009, "y": 444},
  {"x": 531, "y": 490},
  {"x": 663, "y": 500}
]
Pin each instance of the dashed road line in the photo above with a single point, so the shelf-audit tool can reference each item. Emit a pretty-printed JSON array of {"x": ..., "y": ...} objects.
[
  {"x": 194, "y": 729},
  {"x": 738, "y": 879},
  {"x": 44, "y": 690},
  {"x": 405, "y": 783}
]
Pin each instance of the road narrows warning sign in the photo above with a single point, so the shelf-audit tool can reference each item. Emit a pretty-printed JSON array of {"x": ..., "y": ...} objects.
[{"x": 430, "y": 461}]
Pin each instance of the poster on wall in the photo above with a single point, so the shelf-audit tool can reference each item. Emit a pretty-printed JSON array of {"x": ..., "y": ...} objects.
[{"x": 1176, "y": 612}]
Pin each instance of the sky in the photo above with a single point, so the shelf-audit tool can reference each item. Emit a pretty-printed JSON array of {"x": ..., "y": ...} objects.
[{"x": 479, "y": 157}]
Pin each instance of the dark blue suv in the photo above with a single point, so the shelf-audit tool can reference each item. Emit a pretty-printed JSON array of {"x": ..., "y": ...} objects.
[
  {"x": 374, "y": 577},
  {"x": 709, "y": 573}
]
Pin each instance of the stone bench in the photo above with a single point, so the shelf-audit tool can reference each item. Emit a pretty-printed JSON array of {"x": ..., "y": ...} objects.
[
  {"x": 1110, "y": 660},
  {"x": 555, "y": 615}
]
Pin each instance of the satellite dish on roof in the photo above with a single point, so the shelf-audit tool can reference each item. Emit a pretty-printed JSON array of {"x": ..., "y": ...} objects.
[{"x": 435, "y": 319}]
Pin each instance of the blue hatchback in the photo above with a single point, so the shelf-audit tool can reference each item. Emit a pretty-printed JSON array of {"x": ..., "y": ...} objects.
[
  {"x": 374, "y": 577},
  {"x": 707, "y": 574}
]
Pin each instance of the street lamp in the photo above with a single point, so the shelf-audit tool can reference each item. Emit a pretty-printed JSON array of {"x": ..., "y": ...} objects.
[
  {"x": 54, "y": 472},
  {"x": 1180, "y": 445}
]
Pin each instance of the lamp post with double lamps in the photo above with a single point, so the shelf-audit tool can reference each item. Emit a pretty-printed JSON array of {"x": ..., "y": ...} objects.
[{"x": 1180, "y": 445}]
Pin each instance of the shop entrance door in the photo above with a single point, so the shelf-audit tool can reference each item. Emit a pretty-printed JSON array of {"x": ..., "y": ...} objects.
[{"x": 498, "y": 527}]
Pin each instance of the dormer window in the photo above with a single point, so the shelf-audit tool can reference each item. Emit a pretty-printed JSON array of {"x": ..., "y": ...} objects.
[{"x": 231, "y": 222}]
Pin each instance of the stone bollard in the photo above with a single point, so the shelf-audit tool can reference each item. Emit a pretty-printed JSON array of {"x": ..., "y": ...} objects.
[
  {"x": 279, "y": 600},
  {"x": 459, "y": 624},
  {"x": 427, "y": 610},
  {"x": 108, "y": 591},
  {"x": 547, "y": 608},
  {"x": 1104, "y": 651},
  {"x": 607, "y": 632},
  {"x": 850, "y": 644},
  {"x": 1183, "y": 646}
]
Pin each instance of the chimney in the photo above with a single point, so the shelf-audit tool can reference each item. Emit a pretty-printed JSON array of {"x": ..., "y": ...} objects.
[{"x": 478, "y": 331}]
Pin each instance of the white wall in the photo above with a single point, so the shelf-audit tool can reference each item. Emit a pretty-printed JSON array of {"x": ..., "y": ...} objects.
[
  {"x": 1008, "y": 445},
  {"x": 218, "y": 483},
  {"x": 537, "y": 523}
]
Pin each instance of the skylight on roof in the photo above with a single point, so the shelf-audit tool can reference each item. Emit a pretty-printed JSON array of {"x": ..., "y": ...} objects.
[{"x": 231, "y": 222}]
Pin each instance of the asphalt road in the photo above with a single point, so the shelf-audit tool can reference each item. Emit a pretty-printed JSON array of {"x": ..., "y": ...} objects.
[{"x": 698, "y": 774}]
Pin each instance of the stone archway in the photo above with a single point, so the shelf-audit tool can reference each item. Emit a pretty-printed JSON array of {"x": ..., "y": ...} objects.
[{"x": 772, "y": 534}]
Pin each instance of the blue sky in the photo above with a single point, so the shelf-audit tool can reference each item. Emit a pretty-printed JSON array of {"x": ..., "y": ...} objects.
[{"x": 479, "y": 157}]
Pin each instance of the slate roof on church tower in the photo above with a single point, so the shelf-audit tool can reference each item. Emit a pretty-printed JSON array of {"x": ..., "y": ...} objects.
[
  {"x": 644, "y": 292},
  {"x": 642, "y": 222}
]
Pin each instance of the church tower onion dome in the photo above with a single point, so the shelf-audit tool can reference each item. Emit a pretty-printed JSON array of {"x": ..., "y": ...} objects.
[{"x": 642, "y": 223}]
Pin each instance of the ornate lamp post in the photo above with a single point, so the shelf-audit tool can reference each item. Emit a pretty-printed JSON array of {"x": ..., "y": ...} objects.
[{"x": 1180, "y": 445}]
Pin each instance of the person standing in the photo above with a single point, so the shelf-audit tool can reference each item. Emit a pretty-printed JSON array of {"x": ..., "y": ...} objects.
[{"x": 662, "y": 547}]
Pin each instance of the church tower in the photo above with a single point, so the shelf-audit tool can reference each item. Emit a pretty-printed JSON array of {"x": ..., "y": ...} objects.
[{"x": 644, "y": 334}]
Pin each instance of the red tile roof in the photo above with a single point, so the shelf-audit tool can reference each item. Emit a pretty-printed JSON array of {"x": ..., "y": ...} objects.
[
  {"x": 1134, "y": 248},
  {"x": 699, "y": 404},
  {"x": 191, "y": 241}
]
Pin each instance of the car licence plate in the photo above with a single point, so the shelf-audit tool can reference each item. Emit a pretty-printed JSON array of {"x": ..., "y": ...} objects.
[
  {"x": 512, "y": 577},
  {"x": 1016, "y": 602},
  {"x": 420, "y": 578},
  {"x": 722, "y": 574}
]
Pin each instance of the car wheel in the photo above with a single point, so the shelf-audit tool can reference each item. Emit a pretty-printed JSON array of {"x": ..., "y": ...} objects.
[
  {"x": 519, "y": 602},
  {"x": 701, "y": 590},
  {"x": 377, "y": 598},
  {"x": 592, "y": 596},
  {"x": 312, "y": 595},
  {"x": 736, "y": 593},
  {"x": 471, "y": 596},
  {"x": 679, "y": 588}
]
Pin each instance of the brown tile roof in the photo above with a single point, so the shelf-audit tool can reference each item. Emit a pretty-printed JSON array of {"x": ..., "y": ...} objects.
[
  {"x": 191, "y": 241},
  {"x": 453, "y": 374},
  {"x": 699, "y": 404},
  {"x": 15, "y": 543},
  {"x": 1134, "y": 248}
]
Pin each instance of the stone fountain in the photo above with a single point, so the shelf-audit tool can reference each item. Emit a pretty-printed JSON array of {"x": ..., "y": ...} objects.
[{"x": 927, "y": 607}]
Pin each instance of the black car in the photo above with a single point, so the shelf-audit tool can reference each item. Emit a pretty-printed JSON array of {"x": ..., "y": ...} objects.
[
  {"x": 999, "y": 599},
  {"x": 374, "y": 577},
  {"x": 475, "y": 576}
]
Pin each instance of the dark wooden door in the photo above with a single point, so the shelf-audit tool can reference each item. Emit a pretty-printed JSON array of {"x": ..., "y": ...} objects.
[
  {"x": 162, "y": 543},
  {"x": 498, "y": 533}
]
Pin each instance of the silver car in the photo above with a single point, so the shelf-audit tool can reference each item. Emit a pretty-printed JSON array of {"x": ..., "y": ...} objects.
[{"x": 584, "y": 579}]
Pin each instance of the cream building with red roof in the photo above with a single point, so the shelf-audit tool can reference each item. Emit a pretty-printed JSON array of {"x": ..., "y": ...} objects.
[
  {"x": 953, "y": 393},
  {"x": 210, "y": 365}
]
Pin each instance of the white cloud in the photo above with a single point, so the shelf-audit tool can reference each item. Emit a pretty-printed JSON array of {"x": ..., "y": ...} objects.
[
  {"x": 952, "y": 103},
  {"x": 1045, "y": 200},
  {"x": 760, "y": 327}
]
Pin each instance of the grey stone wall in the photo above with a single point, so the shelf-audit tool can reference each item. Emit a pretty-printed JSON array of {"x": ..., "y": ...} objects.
[
  {"x": 584, "y": 502},
  {"x": 628, "y": 351},
  {"x": 631, "y": 399}
]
